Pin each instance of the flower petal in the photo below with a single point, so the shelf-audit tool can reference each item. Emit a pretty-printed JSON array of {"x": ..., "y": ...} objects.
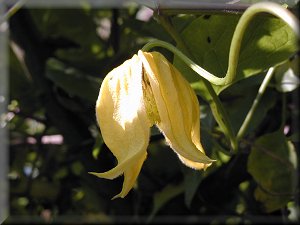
[
  {"x": 130, "y": 176},
  {"x": 178, "y": 109},
  {"x": 123, "y": 121}
]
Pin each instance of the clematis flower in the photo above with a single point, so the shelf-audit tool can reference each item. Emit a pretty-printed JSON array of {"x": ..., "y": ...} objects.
[{"x": 147, "y": 90}]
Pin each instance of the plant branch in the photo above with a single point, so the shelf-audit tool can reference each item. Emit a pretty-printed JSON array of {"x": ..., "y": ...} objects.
[{"x": 257, "y": 99}]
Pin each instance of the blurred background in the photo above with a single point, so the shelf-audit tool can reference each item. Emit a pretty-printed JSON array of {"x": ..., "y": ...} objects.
[{"x": 58, "y": 58}]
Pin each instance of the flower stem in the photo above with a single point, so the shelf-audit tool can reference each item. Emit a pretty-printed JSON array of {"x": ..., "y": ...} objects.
[
  {"x": 257, "y": 99},
  {"x": 262, "y": 7},
  {"x": 236, "y": 41}
]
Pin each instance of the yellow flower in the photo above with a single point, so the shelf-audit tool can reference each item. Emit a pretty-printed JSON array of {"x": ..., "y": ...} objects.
[{"x": 143, "y": 91}]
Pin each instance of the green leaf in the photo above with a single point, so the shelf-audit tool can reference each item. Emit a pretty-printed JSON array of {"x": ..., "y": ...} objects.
[
  {"x": 208, "y": 40},
  {"x": 149, "y": 29},
  {"x": 239, "y": 97},
  {"x": 63, "y": 23},
  {"x": 163, "y": 197},
  {"x": 192, "y": 180},
  {"x": 73, "y": 81},
  {"x": 267, "y": 42},
  {"x": 81, "y": 46},
  {"x": 272, "y": 163}
]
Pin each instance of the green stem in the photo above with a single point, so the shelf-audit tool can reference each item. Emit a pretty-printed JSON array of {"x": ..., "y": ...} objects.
[
  {"x": 199, "y": 70},
  {"x": 236, "y": 41},
  {"x": 262, "y": 7},
  {"x": 257, "y": 99}
]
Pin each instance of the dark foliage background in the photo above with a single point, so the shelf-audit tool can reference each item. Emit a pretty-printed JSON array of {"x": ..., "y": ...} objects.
[{"x": 58, "y": 58}]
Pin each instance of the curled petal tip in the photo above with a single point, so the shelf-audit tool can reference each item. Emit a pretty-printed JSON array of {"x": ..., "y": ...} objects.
[{"x": 102, "y": 175}]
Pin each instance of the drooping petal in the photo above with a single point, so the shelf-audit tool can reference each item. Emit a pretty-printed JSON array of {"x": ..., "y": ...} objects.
[
  {"x": 123, "y": 121},
  {"x": 178, "y": 109}
]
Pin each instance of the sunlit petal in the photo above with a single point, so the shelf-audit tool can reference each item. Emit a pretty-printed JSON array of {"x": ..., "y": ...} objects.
[{"x": 123, "y": 121}]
